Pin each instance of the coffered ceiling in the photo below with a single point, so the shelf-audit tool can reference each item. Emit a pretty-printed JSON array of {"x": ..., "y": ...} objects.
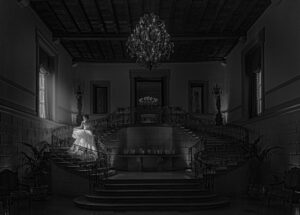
[{"x": 97, "y": 30}]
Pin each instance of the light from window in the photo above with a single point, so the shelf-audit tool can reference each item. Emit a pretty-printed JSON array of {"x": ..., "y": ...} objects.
[
  {"x": 258, "y": 93},
  {"x": 42, "y": 95}
]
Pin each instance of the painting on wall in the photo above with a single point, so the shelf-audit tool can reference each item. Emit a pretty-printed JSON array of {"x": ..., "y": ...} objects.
[
  {"x": 197, "y": 97},
  {"x": 100, "y": 97}
]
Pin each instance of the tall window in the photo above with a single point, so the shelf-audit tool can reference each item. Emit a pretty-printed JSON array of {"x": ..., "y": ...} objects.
[
  {"x": 255, "y": 103},
  {"x": 255, "y": 76},
  {"x": 253, "y": 98},
  {"x": 258, "y": 92},
  {"x": 42, "y": 94},
  {"x": 45, "y": 99}
]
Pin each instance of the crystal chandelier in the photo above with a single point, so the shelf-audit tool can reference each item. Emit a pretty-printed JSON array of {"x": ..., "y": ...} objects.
[{"x": 150, "y": 43}]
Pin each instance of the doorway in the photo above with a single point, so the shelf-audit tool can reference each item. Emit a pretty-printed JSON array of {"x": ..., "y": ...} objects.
[
  {"x": 198, "y": 97},
  {"x": 145, "y": 87},
  {"x": 154, "y": 84}
]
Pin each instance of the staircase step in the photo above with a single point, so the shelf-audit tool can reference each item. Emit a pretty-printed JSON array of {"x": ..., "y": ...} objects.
[
  {"x": 61, "y": 149},
  {"x": 150, "y": 192},
  {"x": 152, "y": 186},
  {"x": 73, "y": 166},
  {"x": 232, "y": 163},
  {"x": 143, "y": 181},
  {"x": 87, "y": 163},
  {"x": 84, "y": 170},
  {"x": 149, "y": 199},
  {"x": 65, "y": 159},
  {"x": 82, "y": 202},
  {"x": 64, "y": 163},
  {"x": 221, "y": 168}
]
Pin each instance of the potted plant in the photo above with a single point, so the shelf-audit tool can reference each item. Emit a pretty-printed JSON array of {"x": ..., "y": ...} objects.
[
  {"x": 36, "y": 164},
  {"x": 258, "y": 155}
]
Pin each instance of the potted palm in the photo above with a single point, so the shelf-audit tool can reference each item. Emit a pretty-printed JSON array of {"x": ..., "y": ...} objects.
[
  {"x": 36, "y": 163},
  {"x": 258, "y": 157}
]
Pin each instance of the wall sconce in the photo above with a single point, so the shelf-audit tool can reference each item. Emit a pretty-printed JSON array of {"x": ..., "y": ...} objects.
[{"x": 217, "y": 91}]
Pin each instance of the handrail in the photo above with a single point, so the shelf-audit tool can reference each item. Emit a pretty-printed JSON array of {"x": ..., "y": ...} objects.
[
  {"x": 196, "y": 148},
  {"x": 170, "y": 115},
  {"x": 97, "y": 169},
  {"x": 208, "y": 172},
  {"x": 175, "y": 116},
  {"x": 82, "y": 148}
]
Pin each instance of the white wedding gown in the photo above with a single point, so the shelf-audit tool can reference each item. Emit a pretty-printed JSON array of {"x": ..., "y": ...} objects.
[{"x": 84, "y": 145}]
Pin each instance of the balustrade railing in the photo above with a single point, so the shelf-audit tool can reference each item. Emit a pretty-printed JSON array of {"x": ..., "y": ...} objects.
[
  {"x": 175, "y": 116},
  {"x": 96, "y": 170},
  {"x": 205, "y": 171}
]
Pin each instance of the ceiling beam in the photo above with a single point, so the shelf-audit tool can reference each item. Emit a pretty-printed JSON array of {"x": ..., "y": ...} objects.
[
  {"x": 194, "y": 60},
  {"x": 178, "y": 37}
]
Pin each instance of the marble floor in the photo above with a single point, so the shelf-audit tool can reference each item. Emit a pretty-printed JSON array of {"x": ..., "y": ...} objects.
[{"x": 58, "y": 205}]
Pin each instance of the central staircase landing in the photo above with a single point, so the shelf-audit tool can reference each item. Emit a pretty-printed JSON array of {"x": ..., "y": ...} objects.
[{"x": 151, "y": 191}]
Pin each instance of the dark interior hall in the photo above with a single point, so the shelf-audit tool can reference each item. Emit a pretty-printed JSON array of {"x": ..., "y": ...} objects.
[{"x": 149, "y": 107}]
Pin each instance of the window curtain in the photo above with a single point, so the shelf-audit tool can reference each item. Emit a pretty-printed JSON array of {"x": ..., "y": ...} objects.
[
  {"x": 43, "y": 97},
  {"x": 46, "y": 68},
  {"x": 253, "y": 61},
  {"x": 253, "y": 68},
  {"x": 100, "y": 100}
]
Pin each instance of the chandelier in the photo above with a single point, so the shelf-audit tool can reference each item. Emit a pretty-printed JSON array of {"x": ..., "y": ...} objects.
[{"x": 150, "y": 43}]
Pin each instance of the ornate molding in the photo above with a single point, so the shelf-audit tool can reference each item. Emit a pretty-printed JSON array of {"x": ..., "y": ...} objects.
[
  {"x": 17, "y": 86},
  {"x": 284, "y": 84},
  {"x": 281, "y": 109},
  {"x": 238, "y": 107},
  {"x": 13, "y": 106},
  {"x": 143, "y": 73}
]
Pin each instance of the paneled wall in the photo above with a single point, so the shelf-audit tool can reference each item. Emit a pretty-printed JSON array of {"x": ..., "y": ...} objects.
[
  {"x": 18, "y": 82},
  {"x": 17, "y": 128},
  {"x": 18, "y": 63},
  {"x": 279, "y": 123},
  {"x": 280, "y": 130},
  {"x": 119, "y": 77}
]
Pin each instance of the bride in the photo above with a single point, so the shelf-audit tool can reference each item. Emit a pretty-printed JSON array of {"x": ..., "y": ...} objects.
[{"x": 84, "y": 145}]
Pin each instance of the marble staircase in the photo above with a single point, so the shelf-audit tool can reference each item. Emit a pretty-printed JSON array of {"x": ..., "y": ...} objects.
[
  {"x": 208, "y": 154},
  {"x": 151, "y": 194},
  {"x": 76, "y": 166},
  {"x": 223, "y": 154}
]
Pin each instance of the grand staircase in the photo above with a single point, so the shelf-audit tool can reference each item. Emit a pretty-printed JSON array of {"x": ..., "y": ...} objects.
[
  {"x": 224, "y": 154},
  {"x": 151, "y": 194},
  {"x": 221, "y": 153},
  {"x": 83, "y": 168},
  {"x": 215, "y": 151}
]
